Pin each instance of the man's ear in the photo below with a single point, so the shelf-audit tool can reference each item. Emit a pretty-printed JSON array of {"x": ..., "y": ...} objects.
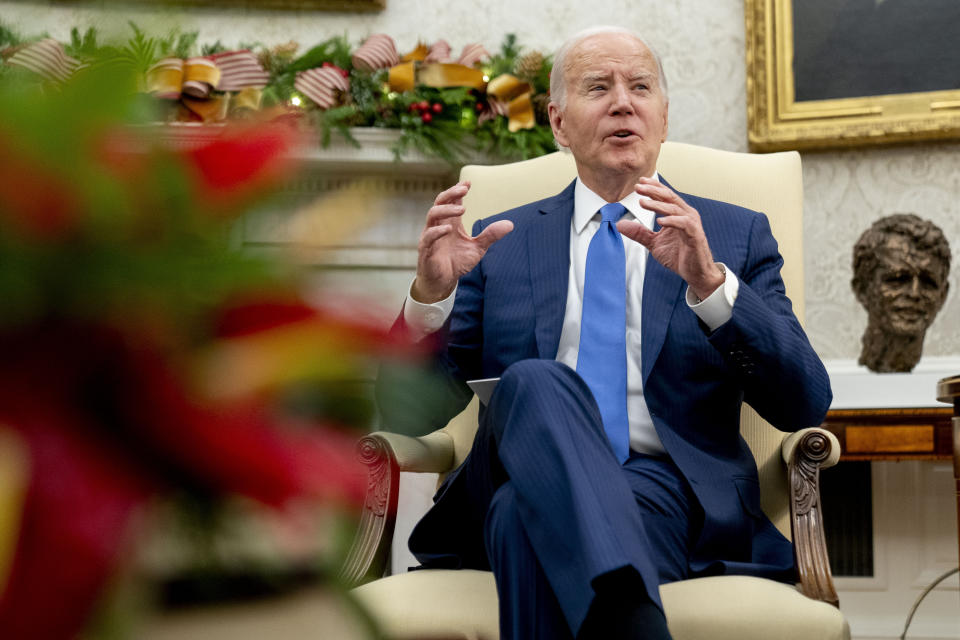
[
  {"x": 943, "y": 296},
  {"x": 666, "y": 109},
  {"x": 860, "y": 291},
  {"x": 556, "y": 122}
]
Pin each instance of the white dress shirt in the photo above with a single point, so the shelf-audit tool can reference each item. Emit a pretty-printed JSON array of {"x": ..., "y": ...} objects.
[{"x": 423, "y": 319}]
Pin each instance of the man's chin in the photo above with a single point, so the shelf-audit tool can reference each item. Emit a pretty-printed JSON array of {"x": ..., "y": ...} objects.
[{"x": 907, "y": 327}]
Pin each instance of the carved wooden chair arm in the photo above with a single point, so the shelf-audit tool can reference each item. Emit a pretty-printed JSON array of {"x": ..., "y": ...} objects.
[
  {"x": 806, "y": 452},
  {"x": 385, "y": 456}
]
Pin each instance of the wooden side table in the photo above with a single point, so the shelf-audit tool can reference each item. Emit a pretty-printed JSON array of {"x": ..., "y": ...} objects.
[
  {"x": 948, "y": 390},
  {"x": 927, "y": 433},
  {"x": 893, "y": 434}
]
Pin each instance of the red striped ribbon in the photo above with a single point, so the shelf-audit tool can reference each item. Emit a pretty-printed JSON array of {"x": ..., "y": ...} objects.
[
  {"x": 46, "y": 57},
  {"x": 378, "y": 52},
  {"x": 439, "y": 52},
  {"x": 472, "y": 54},
  {"x": 321, "y": 85},
  {"x": 497, "y": 108},
  {"x": 240, "y": 70}
]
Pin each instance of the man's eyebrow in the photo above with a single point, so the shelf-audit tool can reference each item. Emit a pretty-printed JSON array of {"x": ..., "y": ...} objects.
[{"x": 593, "y": 76}]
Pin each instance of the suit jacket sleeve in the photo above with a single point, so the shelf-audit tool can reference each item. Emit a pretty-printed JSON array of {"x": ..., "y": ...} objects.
[{"x": 764, "y": 345}]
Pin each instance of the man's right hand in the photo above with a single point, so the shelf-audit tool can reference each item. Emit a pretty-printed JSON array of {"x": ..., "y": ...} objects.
[{"x": 446, "y": 251}]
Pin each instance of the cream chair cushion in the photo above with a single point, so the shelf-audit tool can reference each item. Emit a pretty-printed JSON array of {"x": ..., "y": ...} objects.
[{"x": 417, "y": 605}]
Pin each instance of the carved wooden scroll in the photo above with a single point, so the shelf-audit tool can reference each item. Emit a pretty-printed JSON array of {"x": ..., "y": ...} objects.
[
  {"x": 810, "y": 547},
  {"x": 368, "y": 556}
]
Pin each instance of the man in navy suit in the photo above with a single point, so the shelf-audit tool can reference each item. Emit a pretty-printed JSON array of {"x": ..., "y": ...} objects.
[{"x": 578, "y": 536}]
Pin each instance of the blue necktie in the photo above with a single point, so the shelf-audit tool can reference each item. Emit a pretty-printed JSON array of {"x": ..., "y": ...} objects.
[{"x": 602, "y": 359}]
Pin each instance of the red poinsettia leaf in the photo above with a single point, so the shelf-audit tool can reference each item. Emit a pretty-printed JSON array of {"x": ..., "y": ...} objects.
[
  {"x": 241, "y": 163},
  {"x": 74, "y": 528}
]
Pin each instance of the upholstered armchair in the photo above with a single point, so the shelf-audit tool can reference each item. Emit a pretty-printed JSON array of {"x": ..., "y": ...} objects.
[{"x": 463, "y": 604}]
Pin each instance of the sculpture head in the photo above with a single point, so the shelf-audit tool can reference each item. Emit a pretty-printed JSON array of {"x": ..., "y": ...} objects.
[{"x": 900, "y": 269}]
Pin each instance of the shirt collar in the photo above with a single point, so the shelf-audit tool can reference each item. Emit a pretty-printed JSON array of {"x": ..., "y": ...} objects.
[{"x": 586, "y": 204}]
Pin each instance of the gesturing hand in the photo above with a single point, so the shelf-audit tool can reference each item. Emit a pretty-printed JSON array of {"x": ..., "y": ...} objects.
[
  {"x": 680, "y": 245},
  {"x": 446, "y": 251}
]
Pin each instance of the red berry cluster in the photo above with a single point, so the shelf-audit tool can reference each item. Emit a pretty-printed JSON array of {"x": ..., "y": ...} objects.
[{"x": 426, "y": 110}]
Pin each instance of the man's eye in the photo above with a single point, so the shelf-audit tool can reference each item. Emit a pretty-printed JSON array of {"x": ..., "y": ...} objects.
[
  {"x": 641, "y": 86},
  {"x": 897, "y": 278}
]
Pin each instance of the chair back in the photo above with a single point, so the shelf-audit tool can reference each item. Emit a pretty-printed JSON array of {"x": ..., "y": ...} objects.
[{"x": 771, "y": 183}]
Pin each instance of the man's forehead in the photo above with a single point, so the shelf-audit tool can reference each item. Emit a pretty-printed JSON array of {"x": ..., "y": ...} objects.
[
  {"x": 901, "y": 253},
  {"x": 599, "y": 54}
]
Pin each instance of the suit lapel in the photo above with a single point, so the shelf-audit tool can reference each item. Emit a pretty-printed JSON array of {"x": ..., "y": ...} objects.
[
  {"x": 662, "y": 290},
  {"x": 548, "y": 248}
]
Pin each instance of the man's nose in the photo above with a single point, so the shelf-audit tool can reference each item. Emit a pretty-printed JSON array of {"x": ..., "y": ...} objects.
[
  {"x": 915, "y": 285},
  {"x": 620, "y": 101}
]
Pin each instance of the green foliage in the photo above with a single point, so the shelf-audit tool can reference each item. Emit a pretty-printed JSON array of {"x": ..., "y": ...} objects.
[
  {"x": 541, "y": 82},
  {"x": 336, "y": 51},
  {"x": 210, "y": 49},
  {"x": 504, "y": 61},
  {"x": 8, "y": 37},
  {"x": 83, "y": 45},
  {"x": 496, "y": 139},
  {"x": 180, "y": 45}
]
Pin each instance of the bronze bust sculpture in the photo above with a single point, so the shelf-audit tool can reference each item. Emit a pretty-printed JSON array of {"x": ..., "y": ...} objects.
[{"x": 900, "y": 268}]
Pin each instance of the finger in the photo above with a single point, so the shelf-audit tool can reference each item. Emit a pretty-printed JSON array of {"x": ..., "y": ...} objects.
[
  {"x": 663, "y": 208},
  {"x": 636, "y": 231},
  {"x": 685, "y": 225},
  {"x": 658, "y": 191},
  {"x": 430, "y": 236},
  {"x": 453, "y": 195},
  {"x": 441, "y": 213},
  {"x": 493, "y": 233}
]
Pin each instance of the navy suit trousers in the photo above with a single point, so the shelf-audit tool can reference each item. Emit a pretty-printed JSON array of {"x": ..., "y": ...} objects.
[{"x": 560, "y": 510}]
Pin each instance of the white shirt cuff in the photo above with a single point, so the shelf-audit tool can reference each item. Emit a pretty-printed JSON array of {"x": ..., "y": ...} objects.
[
  {"x": 717, "y": 308},
  {"x": 424, "y": 319}
]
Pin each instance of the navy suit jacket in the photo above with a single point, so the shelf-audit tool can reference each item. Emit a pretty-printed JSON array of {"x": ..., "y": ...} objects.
[{"x": 510, "y": 307}]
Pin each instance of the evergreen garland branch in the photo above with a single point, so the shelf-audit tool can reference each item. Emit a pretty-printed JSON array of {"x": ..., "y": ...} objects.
[{"x": 449, "y": 129}]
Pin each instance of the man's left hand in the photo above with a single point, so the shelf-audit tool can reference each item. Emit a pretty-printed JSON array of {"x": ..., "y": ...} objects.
[{"x": 680, "y": 245}]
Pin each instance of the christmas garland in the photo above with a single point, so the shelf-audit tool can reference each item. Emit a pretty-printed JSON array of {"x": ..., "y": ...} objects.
[{"x": 444, "y": 107}]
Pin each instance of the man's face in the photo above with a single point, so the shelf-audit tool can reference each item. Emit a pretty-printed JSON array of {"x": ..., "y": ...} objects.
[
  {"x": 615, "y": 116},
  {"x": 907, "y": 289}
]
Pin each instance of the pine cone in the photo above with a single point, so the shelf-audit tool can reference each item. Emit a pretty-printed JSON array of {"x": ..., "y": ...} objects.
[
  {"x": 528, "y": 66},
  {"x": 282, "y": 54},
  {"x": 286, "y": 51},
  {"x": 540, "y": 112}
]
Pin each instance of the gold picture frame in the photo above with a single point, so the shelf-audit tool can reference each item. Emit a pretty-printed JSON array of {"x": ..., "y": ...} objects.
[{"x": 778, "y": 121}]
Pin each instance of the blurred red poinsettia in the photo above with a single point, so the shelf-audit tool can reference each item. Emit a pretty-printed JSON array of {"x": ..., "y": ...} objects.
[{"x": 141, "y": 353}]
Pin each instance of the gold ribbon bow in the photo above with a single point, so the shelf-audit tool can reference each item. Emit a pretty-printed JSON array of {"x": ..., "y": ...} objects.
[
  {"x": 405, "y": 76},
  {"x": 515, "y": 94},
  {"x": 190, "y": 81}
]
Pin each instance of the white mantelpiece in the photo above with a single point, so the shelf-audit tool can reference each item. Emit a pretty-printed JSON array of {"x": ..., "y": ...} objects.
[{"x": 856, "y": 387}]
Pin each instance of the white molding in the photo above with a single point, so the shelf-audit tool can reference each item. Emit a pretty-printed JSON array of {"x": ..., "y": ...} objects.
[{"x": 856, "y": 387}]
